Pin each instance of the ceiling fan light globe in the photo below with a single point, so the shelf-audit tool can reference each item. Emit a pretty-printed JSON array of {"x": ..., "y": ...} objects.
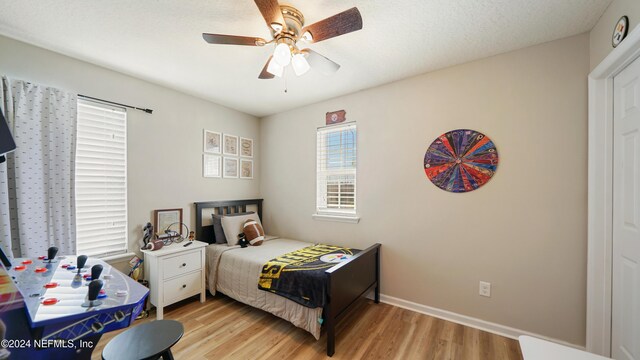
[
  {"x": 300, "y": 64},
  {"x": 282, "y": 55},
  {"x": 275, "y": 69}
]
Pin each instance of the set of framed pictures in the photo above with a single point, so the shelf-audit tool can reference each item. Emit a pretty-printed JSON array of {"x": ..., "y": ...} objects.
[{"x": 227, "y": 156}]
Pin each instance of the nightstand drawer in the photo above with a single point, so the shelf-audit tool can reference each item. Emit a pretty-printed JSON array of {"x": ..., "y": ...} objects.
[
  {"x": 182, "y": 264},
  {"x": 182, "y": 287}
]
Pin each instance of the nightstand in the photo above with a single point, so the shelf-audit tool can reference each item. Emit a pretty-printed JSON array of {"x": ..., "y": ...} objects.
[{"x": 175, "y": 272}]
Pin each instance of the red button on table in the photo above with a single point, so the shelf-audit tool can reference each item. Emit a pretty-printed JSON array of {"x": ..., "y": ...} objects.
[
  {"x": 50, "y": 301},
  {"x": 65, "y": 266},
  {"x": 27, "y": 262},
  {"x": 19, "y": 268},
  {"x": 41, "y": 270},
  {"x": 41, "y": 257},
  {"x": 102, "y": 291},
  {"x": 51, "y": 285}
]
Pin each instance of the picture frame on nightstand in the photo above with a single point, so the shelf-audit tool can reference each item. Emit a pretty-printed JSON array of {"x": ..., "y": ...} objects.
[{"x": 163, "y": 219}]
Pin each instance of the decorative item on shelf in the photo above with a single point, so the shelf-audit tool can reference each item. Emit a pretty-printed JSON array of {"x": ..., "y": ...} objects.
[
  {"x": 620, "y": 31},
  {"x": 230, "y": 143},
  {"x": 147, "y": 234},
  {"x": 212, "y": 142},
  {"x": 336, "y": 117},
  {"x": 153, "y": 245},
  {"x": 176, "y": 236},
  {"x": 461, "y": 160},
  {"x": 192, "y": 235}
]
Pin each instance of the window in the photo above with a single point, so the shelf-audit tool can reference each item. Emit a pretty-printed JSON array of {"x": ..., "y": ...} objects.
[
  {"x": 101, "y": 180},
  {"x": 336, "y": 171}
]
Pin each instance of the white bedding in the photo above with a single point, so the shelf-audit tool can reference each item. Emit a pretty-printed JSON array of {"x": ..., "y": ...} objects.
[{"x": 235, "y": 271}]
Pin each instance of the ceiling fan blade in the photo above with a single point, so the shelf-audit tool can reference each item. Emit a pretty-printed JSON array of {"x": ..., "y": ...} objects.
[
  {"x": 264, "y": 74},
  {"x": 320, "y": 62},
  {"x": 270, "y": 10},
  {"x": 336, "y": 25},
  {"x": 233, "y": 40}
]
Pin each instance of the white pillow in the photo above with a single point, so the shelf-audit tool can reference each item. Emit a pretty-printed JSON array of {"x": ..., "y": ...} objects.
[{"x": 233, "y": 225}]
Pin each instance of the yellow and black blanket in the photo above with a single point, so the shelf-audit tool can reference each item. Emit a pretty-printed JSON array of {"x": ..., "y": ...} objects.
[{"x": 299, "y": 275}]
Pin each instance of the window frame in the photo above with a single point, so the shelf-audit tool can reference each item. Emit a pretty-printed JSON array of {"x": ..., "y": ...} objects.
[
  {"x": 124, "y": 250},
  {"x": 322, "y": 211}
]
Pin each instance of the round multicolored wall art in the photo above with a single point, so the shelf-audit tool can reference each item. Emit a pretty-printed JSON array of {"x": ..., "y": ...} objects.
[{"x": 461, "y": 160}]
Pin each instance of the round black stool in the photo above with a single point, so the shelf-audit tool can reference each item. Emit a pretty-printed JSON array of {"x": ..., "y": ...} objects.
[{"x": 152, "y": 340}]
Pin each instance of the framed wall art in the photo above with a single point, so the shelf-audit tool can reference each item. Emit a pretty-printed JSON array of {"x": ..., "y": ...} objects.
[
  {"x": 212, "y": 142},
  {"x": 246, "y": 169},
  {"x": 461, "y": 160},
  {"x": 246, "y": 147},
  {"x": 230, "y": 168},
  {"x": 212, "y": 166},
  {"x": 230, "y": 145}
]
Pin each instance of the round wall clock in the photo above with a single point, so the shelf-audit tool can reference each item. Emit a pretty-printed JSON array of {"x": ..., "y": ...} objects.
[
  {"x": 461, "y": 160},
  {"x": 620, "y": 31}
]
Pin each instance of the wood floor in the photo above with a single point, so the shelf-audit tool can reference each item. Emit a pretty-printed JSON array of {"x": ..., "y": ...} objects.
[{"x": 223, "y": 328}]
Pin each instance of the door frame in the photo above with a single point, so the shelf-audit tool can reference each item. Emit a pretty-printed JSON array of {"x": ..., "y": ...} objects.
[{"x": 600, "y": 193}]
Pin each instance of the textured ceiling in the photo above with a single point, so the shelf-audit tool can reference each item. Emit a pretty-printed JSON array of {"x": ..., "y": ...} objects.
[{"x": 160, "y": 41}]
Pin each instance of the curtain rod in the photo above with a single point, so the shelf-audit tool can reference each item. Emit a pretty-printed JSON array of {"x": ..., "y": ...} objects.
[{"x": 148, "y": 111}]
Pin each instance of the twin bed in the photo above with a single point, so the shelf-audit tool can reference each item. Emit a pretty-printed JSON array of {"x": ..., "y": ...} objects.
[{"x": 235, "y": 271}]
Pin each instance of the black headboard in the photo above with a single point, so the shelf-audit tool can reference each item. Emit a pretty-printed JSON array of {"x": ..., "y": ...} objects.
[{"x": 221, "y": 207}]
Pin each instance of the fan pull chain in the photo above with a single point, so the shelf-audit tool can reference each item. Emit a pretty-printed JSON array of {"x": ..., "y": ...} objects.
[{"x": 285, "y": 80}]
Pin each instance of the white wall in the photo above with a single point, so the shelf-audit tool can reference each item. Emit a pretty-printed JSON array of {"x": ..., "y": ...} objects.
[
  {"x": 600, "y": 35},
  {"x": 165, "y": 149},
  {"x": 525, "y": 231}
]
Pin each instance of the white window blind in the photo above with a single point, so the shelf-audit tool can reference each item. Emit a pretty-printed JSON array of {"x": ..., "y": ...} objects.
[
  {"x": 336, "y": 170},
  {"x": 101, "y": 180}
]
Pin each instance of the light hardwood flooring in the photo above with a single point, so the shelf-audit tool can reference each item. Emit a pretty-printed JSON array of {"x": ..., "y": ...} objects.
[{"x": 223, "y": 328}]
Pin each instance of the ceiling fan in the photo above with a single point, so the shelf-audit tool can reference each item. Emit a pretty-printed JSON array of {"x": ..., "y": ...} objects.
[{"x": 287, "y": 28}]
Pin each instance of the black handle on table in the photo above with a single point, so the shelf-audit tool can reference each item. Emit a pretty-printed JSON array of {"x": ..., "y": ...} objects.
[
  {"x": 80, "y": 261},
  {"x": 51, "y": 253},
  {"x": 184, "y": 264},
  {"x": 184, "y": 286},
  {"x": 96, "y": 270},
  {"x": 94, "y": 289}
]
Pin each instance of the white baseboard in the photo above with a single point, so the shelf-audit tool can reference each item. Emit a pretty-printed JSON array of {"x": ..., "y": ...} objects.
[{"x": 483, "y": 325}]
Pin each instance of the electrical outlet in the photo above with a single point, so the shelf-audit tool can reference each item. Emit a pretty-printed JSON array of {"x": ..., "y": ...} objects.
[{"x": 485, "y": 289}]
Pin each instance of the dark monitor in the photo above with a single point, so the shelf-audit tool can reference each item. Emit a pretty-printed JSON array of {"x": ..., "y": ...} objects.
[{"x": 6, "y": 140}]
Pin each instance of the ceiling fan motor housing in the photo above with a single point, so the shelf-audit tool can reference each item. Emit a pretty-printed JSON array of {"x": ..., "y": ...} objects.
[{"x": 294, "y": 20}]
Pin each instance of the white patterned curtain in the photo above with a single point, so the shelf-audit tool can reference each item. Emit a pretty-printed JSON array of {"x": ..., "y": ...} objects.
[{"x": 37, "y": 182}]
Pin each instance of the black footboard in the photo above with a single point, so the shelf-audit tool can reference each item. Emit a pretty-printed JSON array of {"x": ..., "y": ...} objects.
[{"x": 346, "y": 283}]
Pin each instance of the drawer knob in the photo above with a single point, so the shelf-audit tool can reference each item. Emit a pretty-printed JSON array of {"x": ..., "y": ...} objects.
[
  {"x": 184, "y": 286},
  {"x": 184, "y": 264}
]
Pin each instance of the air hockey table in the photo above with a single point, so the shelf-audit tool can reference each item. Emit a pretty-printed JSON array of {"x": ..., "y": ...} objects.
[{"x": 45, "y": 314}]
